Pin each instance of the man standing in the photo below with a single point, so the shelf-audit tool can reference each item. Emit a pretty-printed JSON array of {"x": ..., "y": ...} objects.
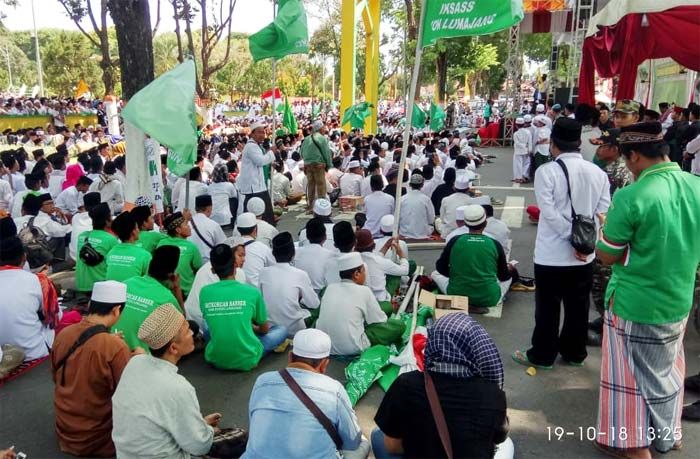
[
  {"x": 87, "y": 362},
  {"x": 522, "y": 145},
  {"x": 643, "y": 364},
  {"x": 561, "y": 273},
  {"x": 251, "y": 180},
  {"x": 274, "y": 403},
  {"x": 317, "y": 160}
]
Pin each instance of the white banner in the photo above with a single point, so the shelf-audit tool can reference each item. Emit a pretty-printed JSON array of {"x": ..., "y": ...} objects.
[{"x": 152, "y": 150}]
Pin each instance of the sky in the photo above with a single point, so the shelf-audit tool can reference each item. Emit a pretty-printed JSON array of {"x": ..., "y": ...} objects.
[{"x": 249, "y": 16}]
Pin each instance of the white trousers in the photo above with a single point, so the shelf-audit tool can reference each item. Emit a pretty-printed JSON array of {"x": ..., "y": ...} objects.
[{"x": 521, "y": 166}]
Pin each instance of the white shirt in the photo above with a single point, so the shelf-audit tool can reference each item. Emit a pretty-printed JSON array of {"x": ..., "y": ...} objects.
[
  {"x": 693, "y": 147},
  {"x": 377, "y": 205},
  {"x": 430, "y": 185},
  {"x": 299, "y": 183},
  {"x": 390, "y": 254},
  {"x": 522, "y": 142},
  {"x": 205, "y": 276},
  {"x": 6, "y": 196},
  {"x": 17, "y": 201},
  {"x": 281, "y": 187},
  {"x": 590, "y": 190},
  {"x": 329, "y": 244},
  {"x": 81, "y": 222},
  {"x": 284, "y": 288},
  {"x": 543, "y": 133},
  {"x": 251, "y": 179},
  {"x": 70, "y": 200},
  {"x": 155, "y": 410},
  {"x": 210, "y": 230},
  {"x": 351, "y": 184},
  {"x": 313, "y": 259},
  {"x": 257, "y": 256},
  {"x": 417, "y": 215},
  {"x": 345, "y": 309},
  {"x": 460, "y": 230},
  {"x": 111, "y": 192},
  {"x": 197, "y": 188},
  {"x": 499, "y": 231},
  {"x": 56, "y": 179},
  {"x": 220, "y": 193},
  {"x": 50, "y": 227},
  {"x": 20, "y": 303},
  {"x": 266, "y": 233},
  {"x": 377, "y": 269},
  {"x": 448, "y": 210}
]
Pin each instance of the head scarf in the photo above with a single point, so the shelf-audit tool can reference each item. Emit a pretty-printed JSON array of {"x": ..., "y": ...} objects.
[
  {"x": 460, "y": 347},
  {"x": 220, "y": 173},
  {"x": 143, "y": 201},
  {"x": 73, "y": 173}
]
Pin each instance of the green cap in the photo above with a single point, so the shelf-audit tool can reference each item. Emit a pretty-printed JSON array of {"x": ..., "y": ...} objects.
[{"x": 627, "y": 106}]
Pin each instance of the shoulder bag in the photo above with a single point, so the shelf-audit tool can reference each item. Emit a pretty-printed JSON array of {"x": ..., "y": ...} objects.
[
  {"x": 583, "y": 229},
  {"x": 196, "y": 230},
  {"x": 315, "y": 410},
  {"x": 82, "y": 339},
  {"x": 438, "y": 414}
]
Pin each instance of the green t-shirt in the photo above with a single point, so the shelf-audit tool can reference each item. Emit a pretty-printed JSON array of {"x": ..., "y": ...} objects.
[
  {"x": 653, "y": 223},
  {"x": 86, "y": 276},
  {"x": 143, "y": 295},
  {"x": 149, "y": 240},
  {"x": 474, "y": 268},
  {"x": 230, "y": 309},
  {"x": 127, "y": 260},
  {"x": 190, "y": 260}
]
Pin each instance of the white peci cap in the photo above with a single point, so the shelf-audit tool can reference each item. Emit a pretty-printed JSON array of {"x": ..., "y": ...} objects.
[
  {"x": 353, "y": 164},
  {"x": 527, "y": 118},
  {"x": 539, "y": 108},
  {"x": 311, "y": 343},
  {"x": 256, "y": 125},
  {"x": 519, "y": 120},
  {"x": 384, "y": 146},
  {"x": 459, "y": 213},
  {"x": 462, "y": 182},
  {"x": 110, "y": 292},
  {"x": 386, "y": 224},
  {"x": 246, "y": 220},
  {"x": 350, "y": 260},
  {"x": 474, "y": 215},
  {"x": 322, "y": 207},
  {"x": 256, "y": 206}
]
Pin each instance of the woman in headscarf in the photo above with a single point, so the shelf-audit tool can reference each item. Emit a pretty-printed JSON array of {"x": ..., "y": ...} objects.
[
  {"x": 73, "y": 173},
  {"x": 464, "y": 365},
  {"x": 224, "y": 196}
]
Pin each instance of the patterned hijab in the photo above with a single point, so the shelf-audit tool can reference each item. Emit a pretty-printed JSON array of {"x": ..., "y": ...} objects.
[
  {"x": 220, "y": 173},
  {"x": 459, "y": 346}
]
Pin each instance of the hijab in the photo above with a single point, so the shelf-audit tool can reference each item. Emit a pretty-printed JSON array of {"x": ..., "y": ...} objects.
[{"x": 73, "y": 173}]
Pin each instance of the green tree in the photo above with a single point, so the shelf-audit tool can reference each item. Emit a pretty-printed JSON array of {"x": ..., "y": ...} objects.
[
  {"x": 536, "y": 46},
  {"x": 13, "y": 60},
  {"x": 68, "y": 57}
]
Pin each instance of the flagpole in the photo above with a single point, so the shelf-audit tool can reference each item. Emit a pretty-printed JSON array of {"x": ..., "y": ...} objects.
[
  {"x": 274, "y": 80},
  {"x": 409, "y": 115}
]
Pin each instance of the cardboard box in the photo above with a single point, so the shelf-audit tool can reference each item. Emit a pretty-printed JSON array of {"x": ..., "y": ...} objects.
[
  {"x": 444, "y": 304},
  {"x": 351, "y": 203}
]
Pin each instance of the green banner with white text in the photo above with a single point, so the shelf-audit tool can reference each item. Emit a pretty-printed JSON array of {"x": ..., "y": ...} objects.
[{"x": 448, "y": 19}]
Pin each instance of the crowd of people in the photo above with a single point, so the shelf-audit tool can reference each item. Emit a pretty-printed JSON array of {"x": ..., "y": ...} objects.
[{"x": 214, "y": 274}]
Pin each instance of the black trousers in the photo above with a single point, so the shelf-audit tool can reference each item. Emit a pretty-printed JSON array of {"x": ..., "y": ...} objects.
[
  {"x": 268, "y": 216},
  {"x": 572, "y": 286}
]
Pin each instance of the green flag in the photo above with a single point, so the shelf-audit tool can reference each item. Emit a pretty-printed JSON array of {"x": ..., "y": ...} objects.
[
  {"x": 288, "y": 120},
  {"x": 165, "y": 111},
  {"x": 447, "y": 18},
  {"x": 287, "y": 34},
  {"x": 418, "y": 117},
  {"x": 316, "y": 110},
  {"x": 437, "y": 117},
  {"x": 356, "y": 115}
]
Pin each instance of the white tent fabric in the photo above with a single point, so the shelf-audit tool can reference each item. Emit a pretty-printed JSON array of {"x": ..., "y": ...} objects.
[{"x": 617, "y": 9}]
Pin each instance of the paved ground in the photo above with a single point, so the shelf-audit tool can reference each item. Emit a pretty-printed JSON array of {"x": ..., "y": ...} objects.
[{"x": 565, "y": 397}]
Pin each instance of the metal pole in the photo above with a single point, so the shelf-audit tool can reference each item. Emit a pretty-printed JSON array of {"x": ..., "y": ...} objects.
[
  {"x": 405, "y": 64},
  {"x": 38, "y": 54},
  {"x": 409, "y": 114},
  {"x": 274, "y": 81},
  {"x": 9, "y": 66}
]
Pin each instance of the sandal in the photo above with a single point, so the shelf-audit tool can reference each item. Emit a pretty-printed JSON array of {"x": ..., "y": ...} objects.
[{"x": 520, "y": 357}]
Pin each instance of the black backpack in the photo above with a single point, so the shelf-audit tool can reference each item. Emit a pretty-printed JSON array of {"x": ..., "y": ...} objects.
[{"x": 36, "y": 244}]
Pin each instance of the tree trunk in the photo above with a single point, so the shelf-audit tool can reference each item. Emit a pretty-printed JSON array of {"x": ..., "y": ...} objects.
[
  {"x": 441, "y": 65},
  {"x": 412, "y": 29},
  {"x": 133, "y": 23}
]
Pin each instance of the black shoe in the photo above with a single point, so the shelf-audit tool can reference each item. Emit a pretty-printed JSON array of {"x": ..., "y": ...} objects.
[
  {"x": 692, "y": 383},
  {"x": 594, "y": 339},
  {"x": 596, "y": 325},
  {"x": 478, "y": 310},
  {"x": 691, "y": 412}
]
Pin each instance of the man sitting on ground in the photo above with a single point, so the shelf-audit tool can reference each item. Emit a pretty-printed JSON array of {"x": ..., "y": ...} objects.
[
  {"x": 69, "y": 201},
  {"x": 155, "y": 410},
  {"x": 265, "y": 231},
  {"x": 350, "y": 313},
  {"x": 257, "y": 254},
  {"x": 205, "y": 233},
  {"x": 128, "y": 259},
  {"x": 82, "y": 222},
  {"x": 312, "y": 258},
  {"x": 93, "y": 247},
  {"x": 322, "y": 210},
  {"x": 85, "y": 377},
  {"x": 450, "y": 204},
  {"x": 160, "y": 286},
  {"x": 472, "y": 265},
  {"x": 379, "y": 267},
  {"x": 236, "y": 316},
  {"x": 148, "y": 238},
  {"x": 377, "y": 205},
  {"x": 275, "y": 409},
  {"x": 287, "y": 290},
  {"x": 417, "y": 212},
  {"x": 351, "y": 182},
  {"x": 190, "y": 260}
]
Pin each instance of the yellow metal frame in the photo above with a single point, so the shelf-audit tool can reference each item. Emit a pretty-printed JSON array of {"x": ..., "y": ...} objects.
[{"x": 352, "y": 11}]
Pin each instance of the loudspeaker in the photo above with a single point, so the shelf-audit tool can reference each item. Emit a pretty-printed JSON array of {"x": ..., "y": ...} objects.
[{"x": 561, "y": 96}]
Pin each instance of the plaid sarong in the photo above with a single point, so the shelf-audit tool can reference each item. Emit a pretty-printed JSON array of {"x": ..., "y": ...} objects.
[{"x": 641, "y": 384}]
